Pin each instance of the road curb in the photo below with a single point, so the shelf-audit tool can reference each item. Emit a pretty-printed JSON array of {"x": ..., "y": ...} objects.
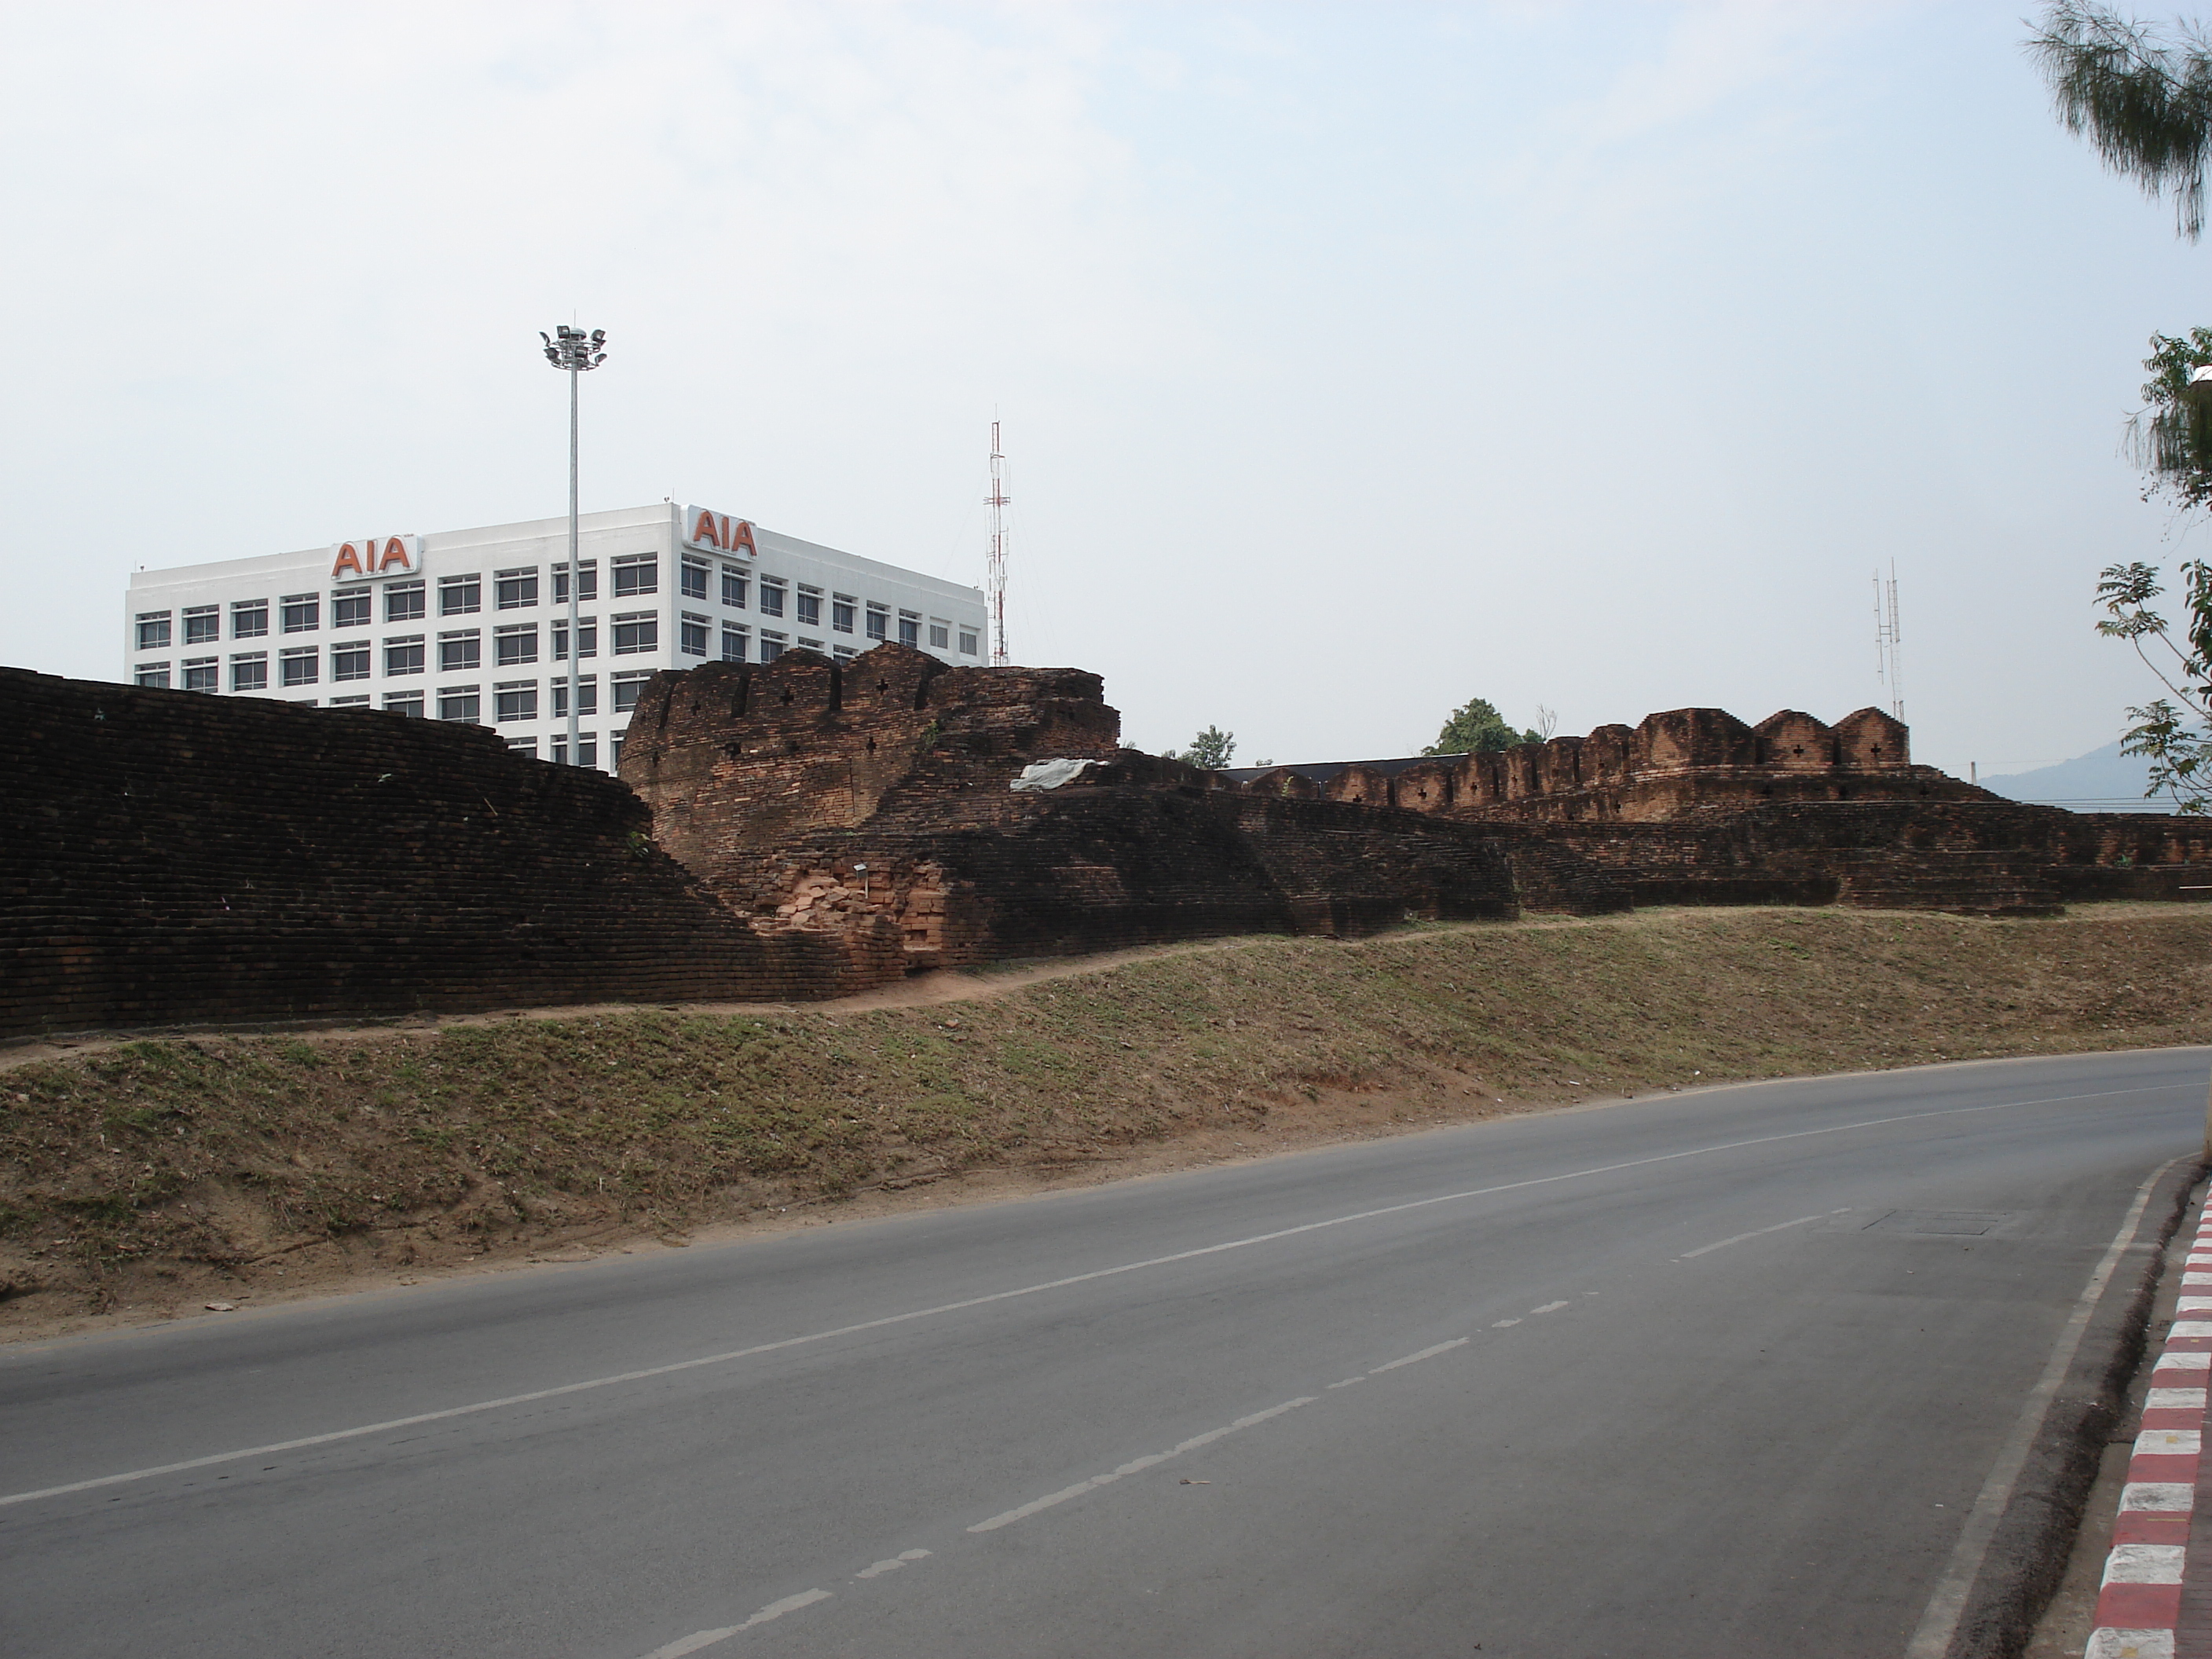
[{"x": 2029, "y": 1548}]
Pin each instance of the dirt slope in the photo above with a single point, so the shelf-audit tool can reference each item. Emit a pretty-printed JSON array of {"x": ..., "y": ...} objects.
[{"x": 144, "y": 1178}]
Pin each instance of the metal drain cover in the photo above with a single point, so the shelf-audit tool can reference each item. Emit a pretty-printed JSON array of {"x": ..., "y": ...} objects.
[{"x": 1941, "y": 1224}]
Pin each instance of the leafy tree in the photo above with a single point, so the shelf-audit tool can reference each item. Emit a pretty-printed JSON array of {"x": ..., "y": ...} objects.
[
  {"x": 1211, "y": 750},
  {"x": 2144, "y": 101},
  {"x": 2174, "y": 732},
  {"x": 1476, "y": 727}
]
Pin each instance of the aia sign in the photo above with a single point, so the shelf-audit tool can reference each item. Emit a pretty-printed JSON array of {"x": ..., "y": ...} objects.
[
  {"x": 376, "y": 555},
  {"x": 718, "y": 532}
]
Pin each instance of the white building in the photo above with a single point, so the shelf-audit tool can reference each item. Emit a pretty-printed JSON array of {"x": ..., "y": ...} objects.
[{"x": 473, "y": 624}]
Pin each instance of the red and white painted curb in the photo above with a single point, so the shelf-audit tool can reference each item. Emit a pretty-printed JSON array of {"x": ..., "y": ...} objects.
[{"x": 2139, "y": 1607}]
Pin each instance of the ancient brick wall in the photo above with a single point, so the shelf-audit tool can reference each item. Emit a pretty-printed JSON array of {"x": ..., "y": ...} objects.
[
  {"x": 873, "y": 798},
  {"x": 169, "y": 857},
  {"x": 1683, "y": 760}
]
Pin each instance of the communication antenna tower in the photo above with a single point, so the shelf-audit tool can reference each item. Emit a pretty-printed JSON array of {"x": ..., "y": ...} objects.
[
  {"x": 1888, "y": 655},
  {"x": 994, "y": 584}
]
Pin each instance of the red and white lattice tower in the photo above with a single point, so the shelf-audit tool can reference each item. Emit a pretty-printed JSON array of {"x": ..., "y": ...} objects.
[{"x": 994, "y": 580}]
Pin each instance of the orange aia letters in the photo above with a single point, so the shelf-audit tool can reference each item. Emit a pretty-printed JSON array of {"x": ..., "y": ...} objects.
[
  {"x": 372, "y": 559},
  {"x": 719, "y": 530}
]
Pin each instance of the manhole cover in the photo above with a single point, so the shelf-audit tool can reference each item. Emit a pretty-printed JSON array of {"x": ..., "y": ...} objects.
[{"x": 1940, "y": 1224}]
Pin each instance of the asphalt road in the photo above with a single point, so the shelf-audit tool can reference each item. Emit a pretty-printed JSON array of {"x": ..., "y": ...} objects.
[{"x": 1711, "y": 1375}]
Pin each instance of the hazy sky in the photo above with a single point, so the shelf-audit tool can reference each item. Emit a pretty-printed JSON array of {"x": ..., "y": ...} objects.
[{"x": 1354, "y": 359}]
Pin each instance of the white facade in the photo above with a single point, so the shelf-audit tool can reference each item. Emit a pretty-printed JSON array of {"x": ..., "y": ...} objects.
[{"x": 473, "y": 624}]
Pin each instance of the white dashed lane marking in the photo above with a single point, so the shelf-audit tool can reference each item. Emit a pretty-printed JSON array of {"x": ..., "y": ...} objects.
[
  {"x": 707, "y": 1638},
  {"x": 877, "y": 1570},
  {"x": 1135, "y": 1464}
]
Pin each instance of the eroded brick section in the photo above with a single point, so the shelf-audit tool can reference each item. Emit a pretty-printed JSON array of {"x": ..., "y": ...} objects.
[{"x": 871, "y": 801}]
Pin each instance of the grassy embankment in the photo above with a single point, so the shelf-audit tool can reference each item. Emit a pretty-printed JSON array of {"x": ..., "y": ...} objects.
[{"x": 151, "y": 1173}]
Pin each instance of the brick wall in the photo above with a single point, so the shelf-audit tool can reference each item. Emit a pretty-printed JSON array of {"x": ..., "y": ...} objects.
[{"x": 168, "y": 857}]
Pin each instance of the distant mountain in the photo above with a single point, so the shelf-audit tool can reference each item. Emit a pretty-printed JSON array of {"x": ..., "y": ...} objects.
[{"x": 2103, "y": 780}]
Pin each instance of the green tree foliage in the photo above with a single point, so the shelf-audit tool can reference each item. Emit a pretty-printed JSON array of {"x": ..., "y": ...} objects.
[
  {"x": 2142, "y": 100},
  {"x": 1476, "y": 727},
  {"x": 2174, "y": 732},
  {"x": 1212, "y": 749},
  {"x": 2171, "y": 436}
]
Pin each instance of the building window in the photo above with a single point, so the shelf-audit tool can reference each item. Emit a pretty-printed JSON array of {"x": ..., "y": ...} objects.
[
  {"x": 154, "y": 630},
  {"x": 153, "y": 676},
  {"x": 199, "y": 674},
  {"x": 249, "y": 619},
  {"x": 458, "y": 653},
  {"x": 636, "y": 634},
  {"x": 810, "y": 645},
  {"x": 409, "y": 703},
  {"x": 772, "y": 646},
  {"x": 461, "y": 702},
  {"x": 614, "y": 750},
  {"x": 842, "y": 652},
  {"x": 635, "y": 574},
  {"x": 202, "y": 624},
  {"x": 587, "y": 749},
  {"x": 303, "y": 702},
  {"x": 348, "y": 703},
  {"x": 734, "y": 643},
  {"x": 694, "y": 577},
  {"x": 940, "y": 635},
  {"x": 298, "y": 666},
  {"x": 587, "y": 590},
  {"x": 808, "y": 608},
  {"x": 405, "y": 602},
  {"x": 841, "y": 614},
  {"x": 733, "y": 587},
  {"x": 515, "y": 703},
  {"x": 349, "y": 661},
  {"x": 909, "y": 629},
  {"x": 522, "y": 746},
  {"x": 587, "y": 696},
  {"x": 691, "y": 635},
  {"x": 250, "y": 673},
  {"x": 879, "y": 621},
  {"x": 403, "y": 656},
  {"x": 515, "y": 645},
  {"x": 587, "y": 634},
  {"x": 968, "y": 643},
  {"x": 461, "y": 596},
  {"x": 301, "y": 613},
  {"x": 349, "y": 609},
  {"x": 626, "y": 689},
  {"x": 771, "y": 597},
  {"x": 515, "y": 589}
]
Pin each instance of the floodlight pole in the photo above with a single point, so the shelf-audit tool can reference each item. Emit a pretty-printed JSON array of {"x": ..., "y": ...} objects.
[{"x": 574, "y": 351}]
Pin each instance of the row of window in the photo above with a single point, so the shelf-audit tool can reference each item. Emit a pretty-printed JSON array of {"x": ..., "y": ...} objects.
[
  {"x": 513, "y": 700},
  {"x": 805, "y": 607},
  {"x": 637, "y": 574},
  {"x": 634, "y": 575}
]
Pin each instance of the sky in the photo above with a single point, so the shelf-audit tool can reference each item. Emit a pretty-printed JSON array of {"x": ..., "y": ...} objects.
[{"x": 1354, "y": 360}]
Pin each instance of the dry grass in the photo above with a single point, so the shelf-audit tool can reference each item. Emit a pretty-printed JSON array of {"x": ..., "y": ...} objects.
[{"x": 152, "y": 1173}]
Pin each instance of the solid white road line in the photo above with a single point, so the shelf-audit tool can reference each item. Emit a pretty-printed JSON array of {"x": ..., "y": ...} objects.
[
  {"x": 1940, "y": 1622},
  {"x": 647, "y": 1372}
]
